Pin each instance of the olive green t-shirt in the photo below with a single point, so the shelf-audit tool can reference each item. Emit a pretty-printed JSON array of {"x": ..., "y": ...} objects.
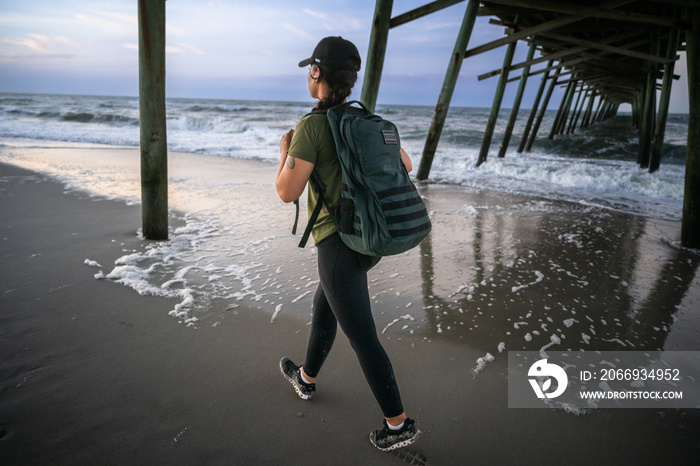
[{"x": 313, "y": 142}]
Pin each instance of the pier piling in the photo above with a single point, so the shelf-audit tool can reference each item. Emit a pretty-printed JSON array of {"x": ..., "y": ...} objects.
[
  {"x": 577, "y": 110},
  {"x": 154, "y": 147},
  {"x": 540, "y": 116},
  {"x": 496, "y": 105},
  {"x": 377, "y": 51},
  {"x": 646, "y": 131},
  {"x": 587, "y": 115},
  {"x": 690, "y": 227},
  {"x": 516, "y": 103},
  {"x": 664, "y": 101},
  {"x": 561, "y": 111},
  {"x": 535, "y": 107},
  {"x": 447, "y": 90}
]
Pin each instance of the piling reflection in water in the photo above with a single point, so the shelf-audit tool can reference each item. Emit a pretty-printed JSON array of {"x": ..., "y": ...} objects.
[{"x": 542, "y": 274}]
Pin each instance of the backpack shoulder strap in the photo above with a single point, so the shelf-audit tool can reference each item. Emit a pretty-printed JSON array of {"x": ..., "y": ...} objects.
[{"x": 318, "y": 186}]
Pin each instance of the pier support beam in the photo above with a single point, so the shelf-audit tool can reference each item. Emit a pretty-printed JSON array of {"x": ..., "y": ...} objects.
[
  {"x": 533, "y": 111},
  {"x": 535, "y": 129},
  {"x": 690, "y": 225},
  {"x": 589, "y": 110},
  {"x": 154, "y": 147},
  {"x": 567, "y": 108},
  {"x": 577, "y": 110},
  {"x": 561, "y": 111},
  {"x": 647, "y": 133},
  {"x": 496, "y": 105},
  {"x": 516, "y": 104},
  {"x": 601, "y": 104},
  {"x": 447, "y": 90},
  {"x": 664, "y": 101},
  {"x": 376, "y": 53}
]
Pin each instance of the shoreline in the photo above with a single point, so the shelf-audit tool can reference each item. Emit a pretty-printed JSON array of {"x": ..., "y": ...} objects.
[
  {"x": 133, "y": 196},
  {"x": 99, "y": 372},
  {"x": 230, "y": 240}
]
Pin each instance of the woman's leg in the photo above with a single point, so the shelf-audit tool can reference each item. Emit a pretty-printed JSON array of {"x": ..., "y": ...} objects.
[
  {"x": 343, "y": 274},
  {"x": 323, "y": 330}
]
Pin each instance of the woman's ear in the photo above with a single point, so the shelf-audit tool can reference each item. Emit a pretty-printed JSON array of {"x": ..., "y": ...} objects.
[{"x": 315, "y": 73}]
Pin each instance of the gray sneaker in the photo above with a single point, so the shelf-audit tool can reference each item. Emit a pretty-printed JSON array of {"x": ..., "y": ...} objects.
[
  {"x": 292, "y": 372},
  {"x": 386, "y": 439}
]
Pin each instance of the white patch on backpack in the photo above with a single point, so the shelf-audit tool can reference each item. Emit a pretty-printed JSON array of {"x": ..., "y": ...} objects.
[{"x": 389, "y": 137}]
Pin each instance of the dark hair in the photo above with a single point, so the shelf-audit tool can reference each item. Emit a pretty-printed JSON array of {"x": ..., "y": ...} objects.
[{"x": 340, "y": 83}]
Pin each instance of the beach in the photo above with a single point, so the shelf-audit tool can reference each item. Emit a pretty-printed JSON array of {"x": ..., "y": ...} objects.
[{"x": 121, "y": 350}]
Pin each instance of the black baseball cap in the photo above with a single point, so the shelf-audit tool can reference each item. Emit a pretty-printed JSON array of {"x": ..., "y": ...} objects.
[{"x": 336, "y": 53}]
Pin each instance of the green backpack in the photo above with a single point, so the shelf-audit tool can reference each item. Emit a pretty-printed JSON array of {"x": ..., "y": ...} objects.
[{"x": 380, "y": 211}]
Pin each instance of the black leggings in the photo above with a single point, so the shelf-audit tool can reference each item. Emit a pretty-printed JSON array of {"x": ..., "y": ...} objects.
[{"x": 342, "y": 298}]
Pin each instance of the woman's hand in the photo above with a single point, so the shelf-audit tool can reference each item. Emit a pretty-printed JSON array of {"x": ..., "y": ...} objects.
[{"x": 285, "y": 142}]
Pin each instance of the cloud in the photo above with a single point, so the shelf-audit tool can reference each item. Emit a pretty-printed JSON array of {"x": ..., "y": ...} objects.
[
  {"x": 299, "y": 32},
  {"x": 66, "y": 40},
  {"x": 43, "y": 44},
  {"x": 335, "y": 22},
  {"x": 132, "y": 19},
  {"x": 180, "y": 48},
  {"x": 171, "y": 30},
  {"x": 177, "y": 48},
  {"x": 36, "y": 42},
  {"x": 189, "y": 48},
  {"x": 317, "y": 14},
  {"x": 15, "y": 58},
  {"x": 107, "y": 21}
]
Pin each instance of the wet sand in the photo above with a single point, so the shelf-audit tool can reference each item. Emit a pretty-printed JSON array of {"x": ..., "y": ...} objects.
[{"x": 94, "y": 372}]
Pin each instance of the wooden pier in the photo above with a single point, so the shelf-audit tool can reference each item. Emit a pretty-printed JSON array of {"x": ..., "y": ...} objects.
[{"x": 605, "y": 52}]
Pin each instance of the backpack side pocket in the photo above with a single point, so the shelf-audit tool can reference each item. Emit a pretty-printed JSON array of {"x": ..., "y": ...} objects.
[{"x": 345, "y": 216}]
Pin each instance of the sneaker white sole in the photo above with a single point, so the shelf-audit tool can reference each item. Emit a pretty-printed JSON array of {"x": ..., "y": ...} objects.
[
  {"x": 395, "y": 446},
  {"x": 301, "y": 394}
]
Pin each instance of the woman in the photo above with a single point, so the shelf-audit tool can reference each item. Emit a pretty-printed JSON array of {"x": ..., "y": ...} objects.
[{"x": 342, "y": 296}]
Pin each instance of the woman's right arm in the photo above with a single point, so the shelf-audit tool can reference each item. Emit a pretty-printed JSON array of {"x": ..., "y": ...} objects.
[{"x": 292, "y": 173}]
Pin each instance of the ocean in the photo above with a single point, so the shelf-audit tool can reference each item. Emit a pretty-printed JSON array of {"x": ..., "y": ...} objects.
[
  {"x": 595, "y": 166},
  {"x": 571, "y": 244}
]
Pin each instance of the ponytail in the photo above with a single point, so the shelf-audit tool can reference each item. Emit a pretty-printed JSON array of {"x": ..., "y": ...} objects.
[{"x": 340, "y": 84}]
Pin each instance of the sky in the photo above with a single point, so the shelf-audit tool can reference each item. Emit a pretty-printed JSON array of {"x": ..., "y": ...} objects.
[{"x": 241, "y": 49}]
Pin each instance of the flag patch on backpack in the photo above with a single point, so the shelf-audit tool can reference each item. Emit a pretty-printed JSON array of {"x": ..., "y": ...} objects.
[
  {"x": 380, "y": 212},
  {"x": 389, "y": 137}
]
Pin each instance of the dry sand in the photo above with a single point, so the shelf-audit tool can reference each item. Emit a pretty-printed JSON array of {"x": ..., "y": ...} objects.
[{"x": 94, "y": 373}]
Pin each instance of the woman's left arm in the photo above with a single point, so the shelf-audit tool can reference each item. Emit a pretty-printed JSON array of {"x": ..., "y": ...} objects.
[
  {"x": 406, "y": 160},
  {"x": 292, "y": 173}
]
